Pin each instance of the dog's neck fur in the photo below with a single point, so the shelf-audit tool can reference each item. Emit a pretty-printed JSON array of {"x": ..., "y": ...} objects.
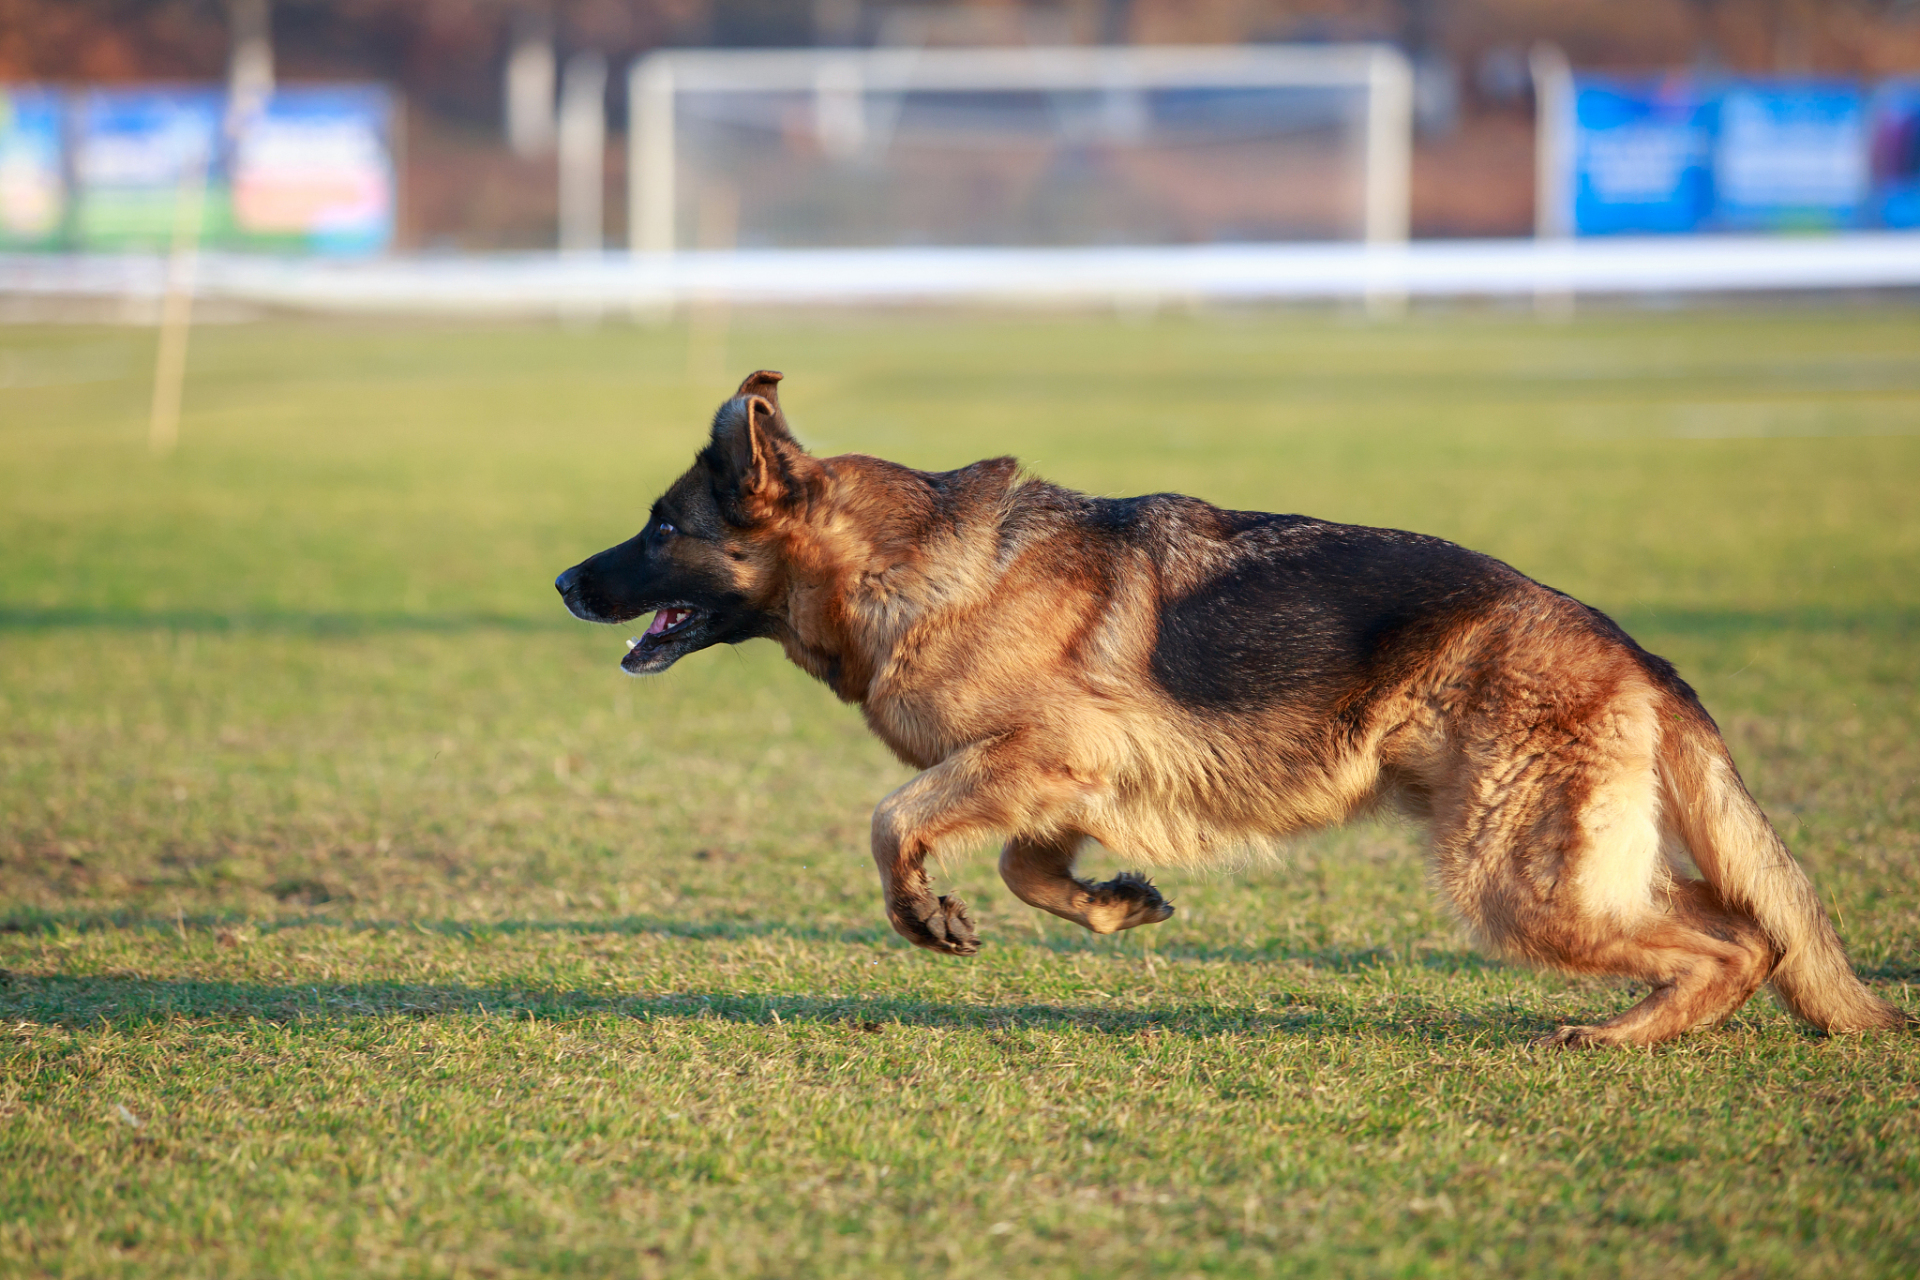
[{"x": 902, "y": 554}]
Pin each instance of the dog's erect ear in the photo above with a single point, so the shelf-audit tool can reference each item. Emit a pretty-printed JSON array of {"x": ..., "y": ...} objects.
[
  {"x": 764, "y": 383},
  {"x": 751, "y": 442}
]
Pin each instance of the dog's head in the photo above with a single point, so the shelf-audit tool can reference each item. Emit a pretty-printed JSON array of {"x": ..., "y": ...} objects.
[{"x": 708, "y": 564}]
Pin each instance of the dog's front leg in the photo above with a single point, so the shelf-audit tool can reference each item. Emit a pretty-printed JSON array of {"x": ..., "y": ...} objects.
[{"x": 980, "y": 790}]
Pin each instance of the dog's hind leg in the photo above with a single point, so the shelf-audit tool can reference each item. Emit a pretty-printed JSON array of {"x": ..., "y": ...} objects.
[
  {"x": 1703, "y": 960},
  {"x": 1555, "y": 851},
  {"x": 1040, "y": 873}
]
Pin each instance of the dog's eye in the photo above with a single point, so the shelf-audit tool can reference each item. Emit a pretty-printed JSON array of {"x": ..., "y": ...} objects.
[{"x": 666, "y": 528}]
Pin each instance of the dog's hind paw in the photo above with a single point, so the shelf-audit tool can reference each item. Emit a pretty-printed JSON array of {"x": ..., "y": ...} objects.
[
  {"x": 1127, "y": 900},
  {"x": 1573, "y": 1038},
  {"x": 939, "y": 924}
]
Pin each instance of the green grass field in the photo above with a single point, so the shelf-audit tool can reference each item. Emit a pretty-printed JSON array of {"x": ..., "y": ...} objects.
[{"x": 358, "y": 917}]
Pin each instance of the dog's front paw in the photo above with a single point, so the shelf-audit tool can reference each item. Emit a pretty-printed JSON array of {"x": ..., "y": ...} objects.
[
  {"x": 1571, "y": 1038},
  {"x": 939, "y": 924}
]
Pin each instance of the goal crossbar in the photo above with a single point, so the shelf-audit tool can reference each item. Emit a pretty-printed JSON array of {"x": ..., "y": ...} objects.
[{"x": 1379, "y": 71}]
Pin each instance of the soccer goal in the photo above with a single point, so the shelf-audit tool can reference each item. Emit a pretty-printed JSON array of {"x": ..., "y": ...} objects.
[{"x": 1019, "y": 147}]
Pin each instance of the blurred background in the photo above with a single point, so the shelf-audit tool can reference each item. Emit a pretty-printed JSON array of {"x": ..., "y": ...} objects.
[{"x": 349, "y": 128}]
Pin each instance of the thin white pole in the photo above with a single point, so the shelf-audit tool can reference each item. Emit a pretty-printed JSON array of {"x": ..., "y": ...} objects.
[
  {"x": 1389, "y": 173},
  {"x": 1553, "y": 128},
  {"x": 176, "y": 308},
  {"x": 250, "y": 60},
  {"x": 1552, "y": 158},
  {"x": 1389, "y": 149},
  {"x": 583, "y": 145},
  {"x": 530, "y": 79},
  {"x": 650, "y": 176}
]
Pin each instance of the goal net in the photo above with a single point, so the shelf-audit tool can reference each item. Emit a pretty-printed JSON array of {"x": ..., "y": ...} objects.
[{"x": 1031, "y": 147}]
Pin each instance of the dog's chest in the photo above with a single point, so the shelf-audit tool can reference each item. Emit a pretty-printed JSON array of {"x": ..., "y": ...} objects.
[
  {"x": 928, "y": 698},
  {"x": 915, "y": 726}
]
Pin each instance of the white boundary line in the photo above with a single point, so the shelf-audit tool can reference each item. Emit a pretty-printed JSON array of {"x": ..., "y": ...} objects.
[{"x": 651, "y": 283}]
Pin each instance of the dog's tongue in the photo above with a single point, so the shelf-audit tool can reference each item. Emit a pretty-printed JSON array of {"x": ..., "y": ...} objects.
[{"x": 664, "y": 619}]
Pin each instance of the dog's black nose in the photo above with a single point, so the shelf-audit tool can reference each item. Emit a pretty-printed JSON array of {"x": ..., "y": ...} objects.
[{"x": 564, "y": 583}]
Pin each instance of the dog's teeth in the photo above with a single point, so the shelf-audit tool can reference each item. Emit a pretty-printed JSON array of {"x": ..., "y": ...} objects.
[{"x": 633, "y": 642}]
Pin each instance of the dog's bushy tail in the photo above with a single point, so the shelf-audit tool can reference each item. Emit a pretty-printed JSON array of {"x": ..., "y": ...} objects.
[{"x": 1746, "y": 862}]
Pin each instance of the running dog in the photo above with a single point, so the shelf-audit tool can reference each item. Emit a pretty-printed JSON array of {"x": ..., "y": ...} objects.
[{"x": 1182, "y": 683}]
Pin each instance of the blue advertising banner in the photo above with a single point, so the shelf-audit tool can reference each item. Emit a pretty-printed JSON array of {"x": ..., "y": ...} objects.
[
  {"x": 1673, "y": 155},
  {"x": 1642, "y": 156},
  {"x": 1894, "y": 149},
  {"x": 136, "y": 154},
  {"x": 33, "y": 184},
  {"x": 1790, "y": 157}
]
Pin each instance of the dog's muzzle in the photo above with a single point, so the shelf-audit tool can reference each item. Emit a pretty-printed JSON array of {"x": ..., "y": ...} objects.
[{"x": 568, "y": 585}]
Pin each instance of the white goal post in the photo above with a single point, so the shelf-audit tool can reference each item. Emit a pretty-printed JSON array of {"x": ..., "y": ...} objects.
[{"x": 839, "y": 101}]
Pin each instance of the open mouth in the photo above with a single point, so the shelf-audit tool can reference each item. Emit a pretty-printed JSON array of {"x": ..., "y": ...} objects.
[
  {"x": 668, "y": 621},
  {"x": 644, "y": 650}
]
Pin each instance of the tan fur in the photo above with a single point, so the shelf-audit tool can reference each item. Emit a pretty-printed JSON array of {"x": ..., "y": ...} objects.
[
  {"x": 1739, "y": 852},
  {"x": 1565, "y": 786}
]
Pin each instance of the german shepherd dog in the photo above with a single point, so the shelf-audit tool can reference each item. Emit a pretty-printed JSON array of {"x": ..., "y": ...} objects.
[{"x": 1182, "y": 683}]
